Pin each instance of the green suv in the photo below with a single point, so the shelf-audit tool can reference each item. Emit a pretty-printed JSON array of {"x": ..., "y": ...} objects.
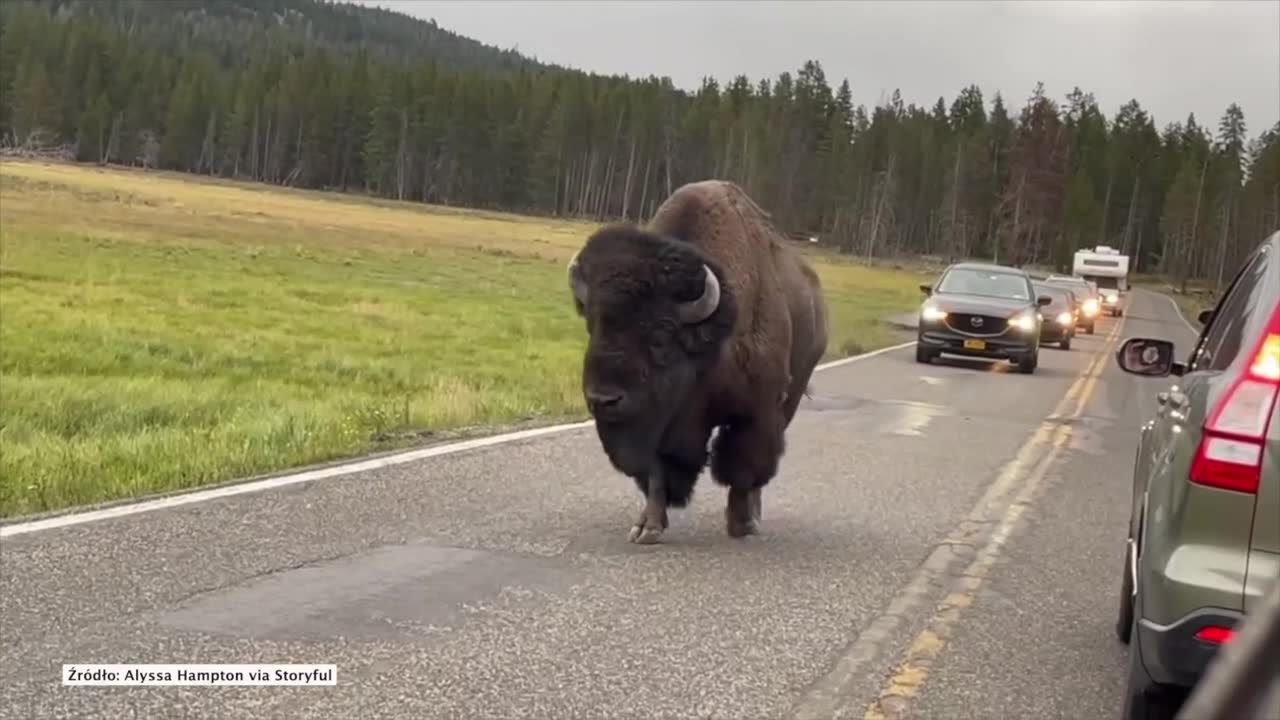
[{"x": 1204, "y": 532}]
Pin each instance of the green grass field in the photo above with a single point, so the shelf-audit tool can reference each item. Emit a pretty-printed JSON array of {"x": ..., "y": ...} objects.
[{"x": 160, "y": 332}]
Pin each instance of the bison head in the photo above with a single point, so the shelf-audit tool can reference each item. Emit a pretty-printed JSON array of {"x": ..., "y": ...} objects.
[{"x": 657, "y": 311}]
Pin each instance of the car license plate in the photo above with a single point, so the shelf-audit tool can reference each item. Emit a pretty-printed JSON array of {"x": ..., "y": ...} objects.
[{"x": 975, "y": 345}]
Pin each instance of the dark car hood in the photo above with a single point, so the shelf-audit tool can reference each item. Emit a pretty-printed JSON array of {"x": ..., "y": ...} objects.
[{"x": 978, "y": 304}]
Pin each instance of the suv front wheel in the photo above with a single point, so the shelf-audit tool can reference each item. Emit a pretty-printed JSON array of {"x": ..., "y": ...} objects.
[{"x": 1027, "y": 364}]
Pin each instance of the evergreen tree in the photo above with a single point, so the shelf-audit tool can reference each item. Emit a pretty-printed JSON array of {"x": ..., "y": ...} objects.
[{"x": 332, "y": 95}]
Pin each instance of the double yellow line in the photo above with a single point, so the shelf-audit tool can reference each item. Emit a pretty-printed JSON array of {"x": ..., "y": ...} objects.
[{"x": 1030, "y": 466}]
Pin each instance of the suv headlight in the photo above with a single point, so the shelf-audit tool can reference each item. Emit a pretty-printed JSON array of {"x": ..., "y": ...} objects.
[
  {"x": 1064, "y": 318},
  {"x": 1024, "y": 321},
  {"x": 932, "y": 313},
  {"x": 1090, "y": 306},
  {"x": 1112, "y": 298}
]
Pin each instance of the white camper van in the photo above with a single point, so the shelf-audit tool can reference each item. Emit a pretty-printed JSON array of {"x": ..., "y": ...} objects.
[{"x": 1105, "y": 267}]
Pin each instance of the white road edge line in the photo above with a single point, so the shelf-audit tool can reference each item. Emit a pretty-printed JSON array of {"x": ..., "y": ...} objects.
[
  {"x": 196, "y": 496},
  {"x": 1178, "y": 310}
]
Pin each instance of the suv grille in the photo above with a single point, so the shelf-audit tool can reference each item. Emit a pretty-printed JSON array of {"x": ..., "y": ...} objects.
[{"x": 976, "y": 324}]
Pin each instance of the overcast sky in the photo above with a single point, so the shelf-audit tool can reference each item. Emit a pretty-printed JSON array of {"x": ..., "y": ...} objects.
[{"x": 1175, "y": 57}]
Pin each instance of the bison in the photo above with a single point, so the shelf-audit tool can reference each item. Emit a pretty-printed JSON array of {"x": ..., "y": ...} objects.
[{"x": 704, "y": 320}]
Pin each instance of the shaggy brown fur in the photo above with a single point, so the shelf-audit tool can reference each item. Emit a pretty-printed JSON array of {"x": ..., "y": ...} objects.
[{"x": 659, "y": 385}]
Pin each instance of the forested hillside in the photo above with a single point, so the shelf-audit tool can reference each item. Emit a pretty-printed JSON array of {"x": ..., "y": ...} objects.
[{"x": 328, "y": 95}]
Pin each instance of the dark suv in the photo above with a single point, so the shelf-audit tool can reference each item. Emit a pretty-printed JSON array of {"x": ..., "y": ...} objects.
[
  {"x": 1059, "y": 317},
  {"x": 1090, "y": 299},
  {"x": 982, "y": 310}
]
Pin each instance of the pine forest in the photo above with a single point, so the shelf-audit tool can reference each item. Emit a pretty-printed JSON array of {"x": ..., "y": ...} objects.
[{"x": 325, "y": 95}]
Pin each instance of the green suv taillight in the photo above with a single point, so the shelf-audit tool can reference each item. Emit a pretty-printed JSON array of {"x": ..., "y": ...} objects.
[{"x": 1230, "y": 452}]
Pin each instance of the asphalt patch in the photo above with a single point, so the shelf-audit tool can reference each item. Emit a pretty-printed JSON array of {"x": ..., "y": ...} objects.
[
  {"x": 374, "y": 595},
  {"x": 884, "y": 417}
]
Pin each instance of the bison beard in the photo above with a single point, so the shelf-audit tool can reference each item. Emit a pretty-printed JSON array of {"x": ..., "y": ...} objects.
[{"x": 703, "y": 320}]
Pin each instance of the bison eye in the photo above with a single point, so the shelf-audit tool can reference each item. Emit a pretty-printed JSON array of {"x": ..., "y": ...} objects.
[
  {"x": 665, "y": 346},
  {"x": 664, "y": 355}
]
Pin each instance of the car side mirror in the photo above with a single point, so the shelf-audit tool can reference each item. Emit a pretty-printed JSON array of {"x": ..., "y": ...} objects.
[
  {"x": 1044, "y": 300},
  {"x": 1205, "y": 316},
  {"x": 1146, "y": 356},
  {"x": 926, "y": 289}
]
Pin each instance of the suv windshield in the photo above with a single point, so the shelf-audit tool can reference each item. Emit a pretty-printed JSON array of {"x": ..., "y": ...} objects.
[
  {"x": 1060, "y": 295},
  {"x": 970, "y": 281},
  {"x": 1074, "y": 282}
]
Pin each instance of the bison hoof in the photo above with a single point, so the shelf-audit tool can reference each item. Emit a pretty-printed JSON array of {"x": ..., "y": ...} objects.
[
  {"x": 645, "y": 535},
  {"x": 646, "y": 531},
  {"x": 742, "y": 515},
  {"x": 739, "y": 527}
]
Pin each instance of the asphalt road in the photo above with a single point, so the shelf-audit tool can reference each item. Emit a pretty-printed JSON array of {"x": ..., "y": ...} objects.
[{"x": 941, "y": 542}]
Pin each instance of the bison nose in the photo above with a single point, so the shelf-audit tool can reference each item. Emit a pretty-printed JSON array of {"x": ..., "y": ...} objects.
[{"x": 605, "y": 400}]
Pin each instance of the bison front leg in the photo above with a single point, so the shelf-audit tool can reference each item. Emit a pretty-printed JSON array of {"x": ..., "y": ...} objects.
[
  {"x": 652, "y": 522},
  {"x": 739, "y": 515},
  {"x": 745, "y": 459}
]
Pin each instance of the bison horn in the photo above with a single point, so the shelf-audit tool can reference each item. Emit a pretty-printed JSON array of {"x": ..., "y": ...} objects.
[
  {"x": 698, "y": 310},
  {"x": 575, "y": 281}
]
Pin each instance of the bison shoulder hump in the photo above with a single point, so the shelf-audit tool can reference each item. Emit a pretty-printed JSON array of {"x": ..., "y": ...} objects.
[{"x": 695, "y": 201}]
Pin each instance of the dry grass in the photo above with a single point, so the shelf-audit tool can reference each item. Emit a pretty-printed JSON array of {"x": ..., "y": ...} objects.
[{"x": 160, "y": 332}]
